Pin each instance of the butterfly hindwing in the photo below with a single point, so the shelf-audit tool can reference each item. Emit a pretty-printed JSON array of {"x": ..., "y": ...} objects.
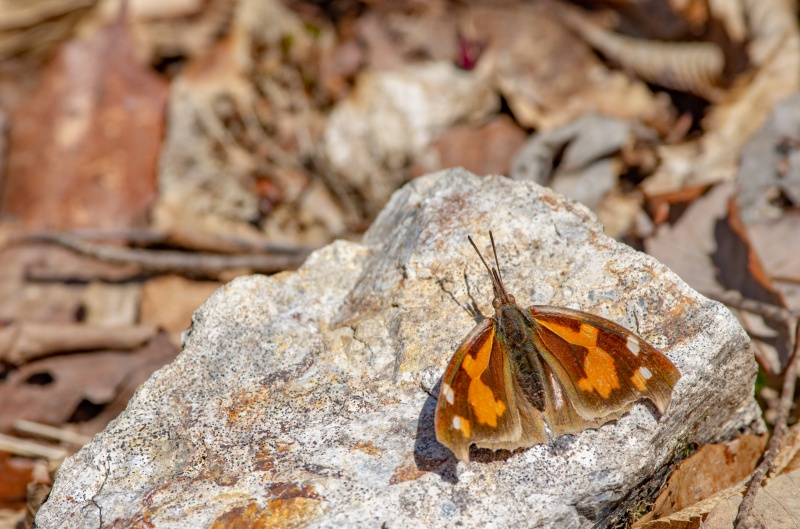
[
  {"x": 601, "y": 367},
  {"x": 476, "y": 401}
]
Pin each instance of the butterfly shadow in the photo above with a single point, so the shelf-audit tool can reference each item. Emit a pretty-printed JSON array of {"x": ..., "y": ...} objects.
[{"x": 429, "y": 454}]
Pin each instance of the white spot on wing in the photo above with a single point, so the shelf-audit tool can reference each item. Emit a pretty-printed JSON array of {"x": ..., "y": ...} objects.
[
  {"x": 633, "y": 345},
  {"x": 646, "y": 374},
  {"x": 457, "y": 422},
  {"x": 449, "y": 394}
]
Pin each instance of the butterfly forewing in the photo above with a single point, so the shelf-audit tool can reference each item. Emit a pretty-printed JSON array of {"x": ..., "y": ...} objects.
[
  {"x": 476, "y": 402},
  {"x": 601, "y": 366}
]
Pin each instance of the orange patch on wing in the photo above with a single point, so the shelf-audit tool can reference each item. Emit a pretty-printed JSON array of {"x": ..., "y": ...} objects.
[
  {"x": 601, "y": 374},
  {"x": 476, "y": 366},
  {"x": 586, "y": 335},
  {"x": 486, "y": 408},
  {"x": 462, "y": 425},
  {"x": 465, "y": 427},
  {"x": 639, "y": 381},
  {"x": 480, "y": 396}
]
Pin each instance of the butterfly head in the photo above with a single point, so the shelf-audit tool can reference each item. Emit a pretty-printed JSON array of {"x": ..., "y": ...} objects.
[{"x": 501, "y": 296}]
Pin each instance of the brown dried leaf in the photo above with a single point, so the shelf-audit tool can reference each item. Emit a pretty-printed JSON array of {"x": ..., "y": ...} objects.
[
  {"x": 50, "y": 390},
  {"x": 670, "y": 206},
  {"x": 776, "y": 503},
  {"x": 22, "y": 300},
  {"x": 708, "y": 248},
  {"x": 169, "y": 302},
  {"x": 483, "y": 150},
  {"x": 776, "y": 506},
  {"x": 778, "y": 246},
  {"x": 739, "y": 268},
  {"x": 694, "y": 515},
  {"x": 713, "y": 468},
  {"x": 16, "y": 472},
  {"x": 84, "y": 145},
  {"x": 111, "y": 304}
]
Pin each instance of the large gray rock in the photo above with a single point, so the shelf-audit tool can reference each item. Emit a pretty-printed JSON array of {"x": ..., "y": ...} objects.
[{"x": 307, "y": 398}]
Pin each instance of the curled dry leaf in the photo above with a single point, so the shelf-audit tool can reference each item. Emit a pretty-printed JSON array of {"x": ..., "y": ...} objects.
[
  {"x": 695, "y": 67},
  {"x": 549, "y": 76},
  {"x": 774, "y": 51},
  {"x": 37, "y": 27}
]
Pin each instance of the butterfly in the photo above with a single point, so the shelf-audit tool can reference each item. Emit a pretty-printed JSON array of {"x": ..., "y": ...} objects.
[{"x": 526, "y": 376}]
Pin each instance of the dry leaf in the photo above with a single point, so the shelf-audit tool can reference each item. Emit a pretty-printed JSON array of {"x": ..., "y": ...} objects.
[
  {"x": 483, "y": 150},
  {"x": 58, "y": 389},
  {"x": 695, "y": 67},
  {"x": 84, "y": 145},
  {"x": 670, "y": 206},
  {"x": 776, "y": 503},
  {"x": 713, "y": 468},
  {"x": 111, "y": 304},
  {"x": 708, "y": 248},
  {"x": 36, "y": 27},
  {"x": 774, "y": 50},
  {"x": 16, "y": 472},
  {"x": 169, "y": 302},
  {"x": 549, "y": 76}
]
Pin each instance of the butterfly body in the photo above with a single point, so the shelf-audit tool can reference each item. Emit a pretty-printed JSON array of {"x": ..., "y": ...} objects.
[{"x": 525, "y": 376}]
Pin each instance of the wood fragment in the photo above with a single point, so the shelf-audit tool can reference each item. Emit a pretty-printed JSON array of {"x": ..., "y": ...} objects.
[
  {"x": 766, "y": 310},
  {"x": 46, "y": 431},
  {"x": 22, "y": 342},
  {"x": 775, "y": 443},
  {"x": 189, "y": 264},
  {"x": 26, "y": 448}
]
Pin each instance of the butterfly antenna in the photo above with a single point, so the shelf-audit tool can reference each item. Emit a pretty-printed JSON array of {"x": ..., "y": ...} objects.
[
  {"x": 497, "y": 282},
  {"x": 479, "y": 255},
  {"x": 496, "y": 260}
]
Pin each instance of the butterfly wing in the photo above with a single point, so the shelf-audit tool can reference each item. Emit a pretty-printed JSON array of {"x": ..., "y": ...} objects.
[
  {"x": 596, "y": 367},
  {"x": 476, "y": 399}
]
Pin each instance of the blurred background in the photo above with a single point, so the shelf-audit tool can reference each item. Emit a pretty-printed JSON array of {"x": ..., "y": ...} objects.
[{"x": 151, "y": 150}]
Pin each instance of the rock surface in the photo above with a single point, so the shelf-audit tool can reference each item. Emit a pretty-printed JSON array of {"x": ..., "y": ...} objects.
[{"x": 306, "y": 399}]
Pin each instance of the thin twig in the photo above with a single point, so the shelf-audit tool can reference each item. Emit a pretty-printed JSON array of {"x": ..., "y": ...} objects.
[
  {"x": 51, "y": 432},
  {"x": 776, "y": 441},
  {"x": 23, "y": 447},
  {"x": 193, "y": 264},
  {"x": 183, "y": 239},
  {"x": 766, "y": 310}
]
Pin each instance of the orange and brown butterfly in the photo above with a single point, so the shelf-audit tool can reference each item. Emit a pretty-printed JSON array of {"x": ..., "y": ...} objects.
[{"x": 525, "y": 376}]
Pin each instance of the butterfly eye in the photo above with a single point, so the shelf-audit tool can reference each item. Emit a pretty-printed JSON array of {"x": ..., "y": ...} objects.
[{"x": 496, "y": 303}]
